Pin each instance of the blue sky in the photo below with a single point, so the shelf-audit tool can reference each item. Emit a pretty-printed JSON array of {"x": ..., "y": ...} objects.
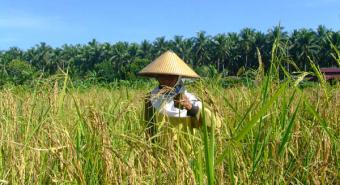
[{"x": 25, "y": 23}]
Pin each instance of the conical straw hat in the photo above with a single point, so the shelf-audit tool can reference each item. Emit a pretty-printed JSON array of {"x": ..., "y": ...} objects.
[{"x": 168, "y": 64}]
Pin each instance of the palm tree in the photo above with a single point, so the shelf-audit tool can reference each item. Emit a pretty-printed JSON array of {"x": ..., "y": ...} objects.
[
  {"x": 201, "y": 49},
  {"x": 42, "y": 57},
  {"x": 133, "y": 51},
  {"x": 70, "y": 58},
  {"x": 145, "y": 49},
  {"x": 186, "y": 50},
  {"x": 280, "y": 38},
  {"x": 305, "y": 45},
  {"x": 324, "y": 55},
  {"x": 3, "y": 72},
  {"x": 247, "y": 36},
  {"x": 7, "y": 56},
  {"x": 176, "y": 44},
  {"x": 183, "y": 47},
  {"x": 90, "y": 55},
  {"x": 222, "y": 49},
  {"x": 120, "y": 58},
  {"x": 159, "y": 46},
  {"x": 65, "y": 55}
]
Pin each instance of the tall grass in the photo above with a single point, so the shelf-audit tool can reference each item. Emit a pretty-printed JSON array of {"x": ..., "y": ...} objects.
[
  {"x": 272, "y": 133},
  {"x": 96, "y": 137}
]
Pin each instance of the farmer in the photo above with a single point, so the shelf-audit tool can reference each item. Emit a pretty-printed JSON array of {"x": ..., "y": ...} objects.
[{"x": 170, "y": 101}]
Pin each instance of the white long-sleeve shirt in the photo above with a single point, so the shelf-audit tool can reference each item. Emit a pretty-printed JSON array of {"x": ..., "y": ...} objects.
[{"x": 165, "y": 104}]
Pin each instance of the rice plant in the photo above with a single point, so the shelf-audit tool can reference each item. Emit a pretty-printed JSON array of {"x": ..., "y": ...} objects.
[{"x": 273, "y": 132}]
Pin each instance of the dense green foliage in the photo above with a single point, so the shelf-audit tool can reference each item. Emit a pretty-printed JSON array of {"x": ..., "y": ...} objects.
[{"x": 224, "y": 53}]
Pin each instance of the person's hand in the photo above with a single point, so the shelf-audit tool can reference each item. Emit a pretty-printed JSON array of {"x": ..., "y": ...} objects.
[{"x": 184, "y": 101}]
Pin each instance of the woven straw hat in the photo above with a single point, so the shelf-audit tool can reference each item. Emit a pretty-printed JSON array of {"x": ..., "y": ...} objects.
[{"x": 168, "y": 64}]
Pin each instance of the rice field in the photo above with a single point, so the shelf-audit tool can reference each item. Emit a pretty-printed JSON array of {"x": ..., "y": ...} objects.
[{"x": 272, "y": 133}]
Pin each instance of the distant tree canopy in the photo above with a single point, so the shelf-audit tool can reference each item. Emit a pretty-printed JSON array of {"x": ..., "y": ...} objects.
[{"x": 226, "y": 53}]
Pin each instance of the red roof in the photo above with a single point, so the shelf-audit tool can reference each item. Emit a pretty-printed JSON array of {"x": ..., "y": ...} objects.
[
  {"x": 330, "y": 70},
  {"x": 330, "y": 77}
]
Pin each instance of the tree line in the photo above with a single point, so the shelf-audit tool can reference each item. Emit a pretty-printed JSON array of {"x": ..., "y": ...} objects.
[{"x": 225, "y": 53}]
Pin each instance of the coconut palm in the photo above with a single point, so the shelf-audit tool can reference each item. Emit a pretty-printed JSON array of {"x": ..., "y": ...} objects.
[
  {"x": 120, "y": 58},
  {"x": 201, "y": 46},
  {"x": 222, "y": 49},
  {"x": 226, "y": 52},
  {"x": 248, "y": 39},
  {"x": 145, "y": 49},
  {"x": 305, "y": 45},
  {"x": 160, "y": 46}
]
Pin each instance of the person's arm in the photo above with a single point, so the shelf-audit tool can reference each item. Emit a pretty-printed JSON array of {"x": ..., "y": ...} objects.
[
  {"x": 191, "y": 103},
  {"x": 193, "y": 111},
  {"x": 168, "y": 108}
]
